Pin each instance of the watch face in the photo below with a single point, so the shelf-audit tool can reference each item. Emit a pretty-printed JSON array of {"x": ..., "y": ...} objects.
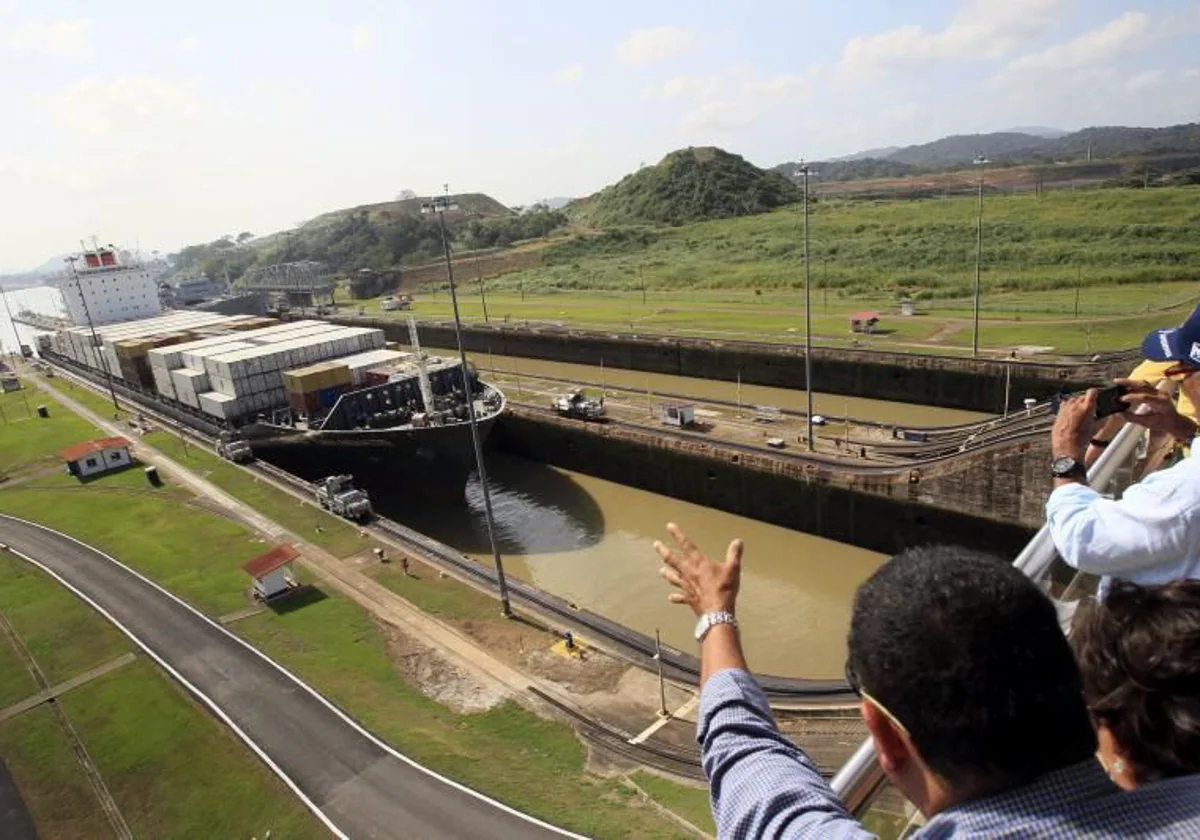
[{"x": 1063, "y": 465}]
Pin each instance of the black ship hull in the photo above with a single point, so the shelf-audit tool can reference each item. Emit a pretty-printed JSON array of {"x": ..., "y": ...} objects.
[{"x": 433, "y": 462}]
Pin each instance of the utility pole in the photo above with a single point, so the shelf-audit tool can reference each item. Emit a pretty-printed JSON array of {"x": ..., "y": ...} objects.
[
  {"x": 440, "y": 206},
  {"x": 980, "y": 161},
  {"x": 11, "y": 322},
  {"x": 805, "y": 170},
  {"x": 1078, "y": 286},
  {"x": 101, "y": 362},
  {"x": 662, "y": 686},
  {"x": 482, "y": 293}
]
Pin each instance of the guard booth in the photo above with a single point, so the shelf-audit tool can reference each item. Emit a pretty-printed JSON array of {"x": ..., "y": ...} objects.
[
  {"x": 92, "y": 457},
  {"x": 272, "y": 573},
  {"x": 682, "y": 415}
]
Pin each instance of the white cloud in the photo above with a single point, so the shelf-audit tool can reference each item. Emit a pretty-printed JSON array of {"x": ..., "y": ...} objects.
[
  {"x": 700, "y": 88},
  {"x": 783, "y": 86},
  {"x": 721, "y": 115},
  {"x": 1128, "y": 33},
  {"x": 362, "y": 39},
  {"x": 132, "y": 106},
  {"x": 646, "y": 46},
  {"x": 983, "y": 29},
  {"x": 68, "y": 38},
  {"x": 569, "y": 75},
  {"x": 188, "y": 46},
  {"x": 1145, "y": 81}
]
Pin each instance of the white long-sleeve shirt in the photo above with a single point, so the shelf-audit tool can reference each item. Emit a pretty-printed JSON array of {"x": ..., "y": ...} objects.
[{"x": 1151, "y": 535}]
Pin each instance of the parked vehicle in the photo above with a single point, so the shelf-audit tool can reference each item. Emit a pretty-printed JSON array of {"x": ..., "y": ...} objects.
[
  {"x": 338, "y": 495},
  {"x": 232, "y": 447},
  {"x": 575, "y": 404}
]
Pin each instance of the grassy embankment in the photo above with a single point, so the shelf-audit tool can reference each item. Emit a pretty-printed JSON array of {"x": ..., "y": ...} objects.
[
  {"x": 172, "y": 769},
  {"x": 508, "y": 752},
  {"x": 1135, "y": 253}
]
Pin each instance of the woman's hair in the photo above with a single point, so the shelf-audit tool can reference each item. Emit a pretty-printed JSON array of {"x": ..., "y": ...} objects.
[{"x": 1139, "y": 652}]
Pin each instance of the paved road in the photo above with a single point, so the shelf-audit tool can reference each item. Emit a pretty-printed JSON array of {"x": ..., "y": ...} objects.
[{"x": 362, "y": 788}]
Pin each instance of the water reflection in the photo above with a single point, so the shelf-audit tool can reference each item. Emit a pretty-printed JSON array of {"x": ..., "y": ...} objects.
[{"x": 537, "y": 509}]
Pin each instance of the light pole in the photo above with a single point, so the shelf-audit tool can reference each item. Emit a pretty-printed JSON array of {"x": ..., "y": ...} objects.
[
  {"x": 440, "y": 206},
  {"x": 96, "y": 346},
  {"x": 980, "y": 161},
  {"x": 482, "y": 293},
  {"x": 805, "y": 171}
]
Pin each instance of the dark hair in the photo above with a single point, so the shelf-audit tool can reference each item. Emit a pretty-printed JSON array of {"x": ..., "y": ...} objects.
[
  {"x": 1140, "y": 656},
  {"x": 967, "y": 653}
]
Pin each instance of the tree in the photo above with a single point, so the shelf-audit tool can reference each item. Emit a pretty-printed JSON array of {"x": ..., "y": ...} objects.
[
  {"x": 244, "y": 237},
  {"x": 406, "y": 195}
]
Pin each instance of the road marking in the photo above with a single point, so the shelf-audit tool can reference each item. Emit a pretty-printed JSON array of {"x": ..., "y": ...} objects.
[{"x": 663, "y": 721}]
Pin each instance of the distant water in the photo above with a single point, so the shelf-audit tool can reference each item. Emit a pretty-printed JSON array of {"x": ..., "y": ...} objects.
[{"x": 44, "y": 300}]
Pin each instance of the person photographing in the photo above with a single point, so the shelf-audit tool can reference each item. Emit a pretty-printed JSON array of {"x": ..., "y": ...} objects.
[{"x": 1152, "y": 533}]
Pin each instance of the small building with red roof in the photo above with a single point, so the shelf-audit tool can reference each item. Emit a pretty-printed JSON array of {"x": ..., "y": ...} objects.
[
  {"x": 864, "y": 322},
  {"x": 272, "y": 572},
  {"x": 92, "y": 457}
]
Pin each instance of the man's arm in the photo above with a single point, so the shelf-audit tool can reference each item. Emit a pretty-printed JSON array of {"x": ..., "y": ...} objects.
[
  {"x": 1154, "y": 524},
  {"x": 761, "y": 784}
]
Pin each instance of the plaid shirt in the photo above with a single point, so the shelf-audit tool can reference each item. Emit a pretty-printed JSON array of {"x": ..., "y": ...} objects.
[{"x": 762, "y": 785}]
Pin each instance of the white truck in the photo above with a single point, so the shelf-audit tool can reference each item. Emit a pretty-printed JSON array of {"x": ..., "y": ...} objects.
[
  {"x": 233, "y": 447},
  {"x": 575, "y": 404},
  {"x": 338, "y": 495}
]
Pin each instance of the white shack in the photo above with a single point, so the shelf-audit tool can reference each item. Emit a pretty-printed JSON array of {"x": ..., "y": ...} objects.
[{"x": 92, "y": 457}]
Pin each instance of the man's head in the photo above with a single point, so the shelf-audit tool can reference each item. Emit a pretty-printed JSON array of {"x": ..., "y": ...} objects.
[
  {"x": 969, "y": 685},
  {"x": 1179, "y": 344}
]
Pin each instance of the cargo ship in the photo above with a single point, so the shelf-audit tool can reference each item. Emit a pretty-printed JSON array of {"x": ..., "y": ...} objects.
[{"x": 310, "y": 396}]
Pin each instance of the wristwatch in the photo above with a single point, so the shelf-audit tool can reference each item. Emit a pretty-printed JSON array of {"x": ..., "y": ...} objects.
[
  {"x": 710, "y": 620},
  {"x": 1067, "y": 467}
]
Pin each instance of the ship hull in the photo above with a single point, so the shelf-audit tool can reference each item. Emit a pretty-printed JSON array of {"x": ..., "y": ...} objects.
[{"x": 432, "y": 462}]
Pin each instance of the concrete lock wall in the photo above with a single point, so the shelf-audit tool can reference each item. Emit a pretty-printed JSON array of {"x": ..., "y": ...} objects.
[
  {"x": 990, "y": 501},
  {"x": 944, "y": 381},
  {"x": 948, "y": 382}
]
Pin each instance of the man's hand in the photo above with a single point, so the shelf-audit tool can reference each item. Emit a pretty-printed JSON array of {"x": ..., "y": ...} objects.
[
  {"x": 1155, "y": 410},
  {"x": 1073, "y": 427},
  {"x": 704, "y": 585}
]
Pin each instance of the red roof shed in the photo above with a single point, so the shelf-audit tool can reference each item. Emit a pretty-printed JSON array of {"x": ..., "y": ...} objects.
[{"x": 266, "y": 563}]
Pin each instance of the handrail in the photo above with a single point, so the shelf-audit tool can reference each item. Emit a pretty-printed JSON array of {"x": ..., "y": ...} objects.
[{"x": 858, "y": 780}]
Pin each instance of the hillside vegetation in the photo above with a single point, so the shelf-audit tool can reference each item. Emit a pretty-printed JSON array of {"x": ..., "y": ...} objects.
[
  {"x": 1007, "y": 148},
  {"x": 687, "y": 186},
  {"x": 925, "y": 248}
]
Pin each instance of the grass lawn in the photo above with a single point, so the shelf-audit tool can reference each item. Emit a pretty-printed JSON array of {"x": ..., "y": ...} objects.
[
  {"x": 689, "y": 802},
  {"x": 53, "y": 785},
  {"x": 28, "y": 442},
  {"x": 63, "y": 634},
  {"x": 101, "y": 403},
  {"x": 173, "y": 769},
  {"x": 189, "y": 550},
  {"x": 444, "y": 597},
  {"x": 506, "y": 752},
  {"x": 337, "y": 536},
  {"x": 16, "y": 683}
]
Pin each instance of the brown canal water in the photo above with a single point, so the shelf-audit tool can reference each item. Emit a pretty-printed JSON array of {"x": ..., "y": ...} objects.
[
  {"x": 590, "y": 541},
  {"x": 832, "y": 406}
]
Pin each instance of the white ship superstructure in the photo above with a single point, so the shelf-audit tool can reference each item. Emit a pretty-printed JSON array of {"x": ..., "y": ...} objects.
[{"x": 101, "y": 285}]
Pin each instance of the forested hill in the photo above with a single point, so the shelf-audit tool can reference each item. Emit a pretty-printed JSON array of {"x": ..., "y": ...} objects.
[
  {"x": 686, "y": 186},
  {"x": 1011, "y": 147}
]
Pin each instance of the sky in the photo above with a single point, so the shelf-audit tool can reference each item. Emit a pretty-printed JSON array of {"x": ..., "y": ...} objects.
[{"x": 161, "y": 124}]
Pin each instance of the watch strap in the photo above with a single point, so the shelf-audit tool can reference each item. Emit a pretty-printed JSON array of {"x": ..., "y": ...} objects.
[{"x": 710, "y": 620}]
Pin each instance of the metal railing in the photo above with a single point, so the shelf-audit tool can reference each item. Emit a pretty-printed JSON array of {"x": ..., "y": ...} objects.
[{"x": 860, "y": 779}]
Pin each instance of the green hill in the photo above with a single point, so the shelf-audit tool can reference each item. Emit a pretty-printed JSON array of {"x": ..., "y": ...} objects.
[
  {"x": 476, "y": 205},
  {"x": 688, "y": 185}
]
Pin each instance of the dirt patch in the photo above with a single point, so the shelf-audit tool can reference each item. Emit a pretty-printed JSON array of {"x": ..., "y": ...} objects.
[
  {"x": 527, "y": 646},
  {"x": 436, "y": 678}
]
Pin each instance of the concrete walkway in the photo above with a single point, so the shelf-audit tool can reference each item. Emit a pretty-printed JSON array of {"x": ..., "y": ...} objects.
[
  {"x": 65, "y": 686},
  {"x": 359, "y": 786}
]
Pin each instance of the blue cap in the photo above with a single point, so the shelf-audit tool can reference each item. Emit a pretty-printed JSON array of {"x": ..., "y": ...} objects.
[{"x": 1181, "y": 344}]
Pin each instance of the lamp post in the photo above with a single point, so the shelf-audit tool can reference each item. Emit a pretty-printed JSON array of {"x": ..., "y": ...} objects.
[
  {"x": 96, "y": 346},
  {"x": 439, "y": 206},
  {"x": 806, "y": 171},
  {"x": 980, "y": 161}
]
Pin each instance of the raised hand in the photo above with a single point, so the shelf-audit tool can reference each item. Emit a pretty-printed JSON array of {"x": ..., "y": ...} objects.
[{"x": 704, "y": 585}]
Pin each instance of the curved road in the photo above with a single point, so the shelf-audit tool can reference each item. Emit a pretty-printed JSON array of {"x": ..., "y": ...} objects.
[{"x": 358, "y": 786}]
